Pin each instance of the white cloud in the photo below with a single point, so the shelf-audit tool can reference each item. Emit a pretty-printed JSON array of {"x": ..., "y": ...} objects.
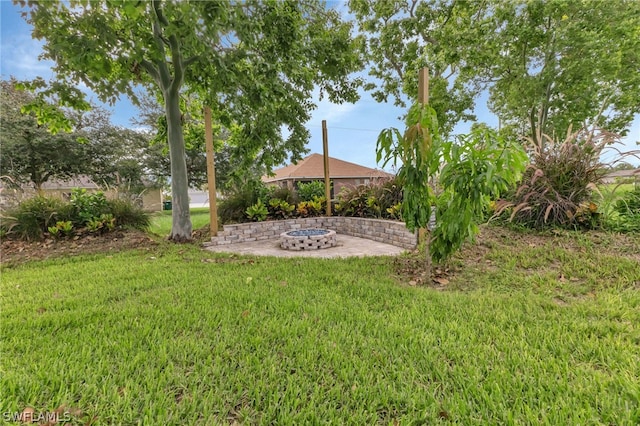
[{"x": 20, "y": 58}]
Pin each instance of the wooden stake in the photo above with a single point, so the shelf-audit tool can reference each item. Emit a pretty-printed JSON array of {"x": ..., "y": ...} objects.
[
  {"x": 425, "y": 234},
  {"x": 211, "y": 172},
  {"x": 423, "y": 86},
  {"x": 327, "y": 181}
]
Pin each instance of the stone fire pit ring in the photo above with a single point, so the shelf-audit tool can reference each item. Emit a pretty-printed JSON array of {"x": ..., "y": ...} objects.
[{"x": 308, "y": 239}]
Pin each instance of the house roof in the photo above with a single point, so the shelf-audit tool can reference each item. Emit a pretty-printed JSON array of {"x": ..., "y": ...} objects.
[
  {"x": 623, "y": 173},
  {"x": 81, "y": 181},
  {"x": 312, "y": 167}
]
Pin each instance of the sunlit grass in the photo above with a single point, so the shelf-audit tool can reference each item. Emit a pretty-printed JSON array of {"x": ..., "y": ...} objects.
[
  {"x": 181, "y": 336},
  {"x": 161, "y": 221}
]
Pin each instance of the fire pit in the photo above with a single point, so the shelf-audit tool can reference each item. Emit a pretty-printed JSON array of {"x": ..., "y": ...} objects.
[{"x": 308, "y": 239}]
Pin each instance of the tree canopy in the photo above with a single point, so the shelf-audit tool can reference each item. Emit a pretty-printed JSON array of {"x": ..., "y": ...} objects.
[
  {"x": 255, "y": 63},
  {"x": 546, "y": 63},
  {"x": 30, "y": 153},
  {"x": 92, "y": 146}
]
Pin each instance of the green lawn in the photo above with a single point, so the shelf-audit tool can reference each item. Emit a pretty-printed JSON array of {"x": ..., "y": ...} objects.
[
  {"x": 161, "y": 221},
  {"x": 532, "y": 334}
]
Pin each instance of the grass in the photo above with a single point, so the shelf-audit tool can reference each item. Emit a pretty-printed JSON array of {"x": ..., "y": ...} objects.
[
  {"x": 161, "y": 221},
  {"x": 180, "y": 336}
]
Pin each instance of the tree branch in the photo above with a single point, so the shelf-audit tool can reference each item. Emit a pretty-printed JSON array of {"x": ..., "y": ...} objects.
[
  {"x": 190, "y": 60},
  {"x": 163, "y": 70},
  {"x": 151, "y": 69}
]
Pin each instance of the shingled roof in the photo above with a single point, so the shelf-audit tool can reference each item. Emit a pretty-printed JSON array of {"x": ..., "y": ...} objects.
[{"x": 312, "y": 167}]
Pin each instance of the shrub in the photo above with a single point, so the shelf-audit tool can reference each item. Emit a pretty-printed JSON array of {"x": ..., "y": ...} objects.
[
  {"x": 629, "y": 204},
  {"x": 315, "y": 207},
  {"x": 233, "y": 208},
  {"x": 309, "y": 191},
  {"x": 284, "y": 194},
  {"x": 257, "y": 212},
  {"x": 628, "y": 210},
  {"x": 280, "y": 209},
  {"x": 88, "y": 206},
  {"x": 376, "y": 200},
  {"x": 557, "y": 186},
  {"x": 128, "y": 214},
  {"x": 33, "y": 217}
]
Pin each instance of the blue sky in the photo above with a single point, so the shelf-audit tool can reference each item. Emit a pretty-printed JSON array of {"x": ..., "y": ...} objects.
[{"x": 352, "y": 128}]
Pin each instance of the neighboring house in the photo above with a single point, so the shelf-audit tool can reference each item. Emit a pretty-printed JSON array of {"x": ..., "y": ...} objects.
[
  {"x": 151, "y": 198},
  {"x": 342, "y": 173},
  {"x": 619, "y": 176}
]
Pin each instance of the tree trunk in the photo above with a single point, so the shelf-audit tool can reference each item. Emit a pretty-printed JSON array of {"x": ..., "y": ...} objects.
[{"x": 181, "y": 223}]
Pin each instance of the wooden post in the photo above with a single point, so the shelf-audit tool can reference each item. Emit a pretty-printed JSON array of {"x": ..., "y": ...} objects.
[
  {"x": 211, "y": 172},
  {"x": 327, "y": 181},
  {"x": 423, "y": 86},
  {"x": 425, "y": 234}
]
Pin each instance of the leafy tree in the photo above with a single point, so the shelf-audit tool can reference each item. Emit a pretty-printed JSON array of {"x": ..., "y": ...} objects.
[
  {"x": 470, "y": 171},
  {"x": 90, "y": 145},
  {"x": 119, "y": 156},
  {"x": 158, "y": 162},
  {"x": 254, "y": 62},
  {"x": 403, "y": 37},
  {"x": 30, "y": 153},
  {"x": 556, "y": 63}
]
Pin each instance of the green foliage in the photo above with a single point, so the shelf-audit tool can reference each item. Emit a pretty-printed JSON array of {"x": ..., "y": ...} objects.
[
  {"x": 253, "y": 63},
  {"x": 315, "y": 207},
  {"x": 628, "y": 210},
  {"x": 30, "y": 153},
  {"x": 234, "y": 206},
  {"x": 105, "y": 223},
  {"x": 88, "y": 206},
  {"x": 629, "y": 204},
  {"x": 402, "y": 37},
  {"x": 308, "y": 191},
  {"x": 128, "y": 214},
  {"x": 62, "y": 228},
  {"x": 33, "y": 217},
  {"x": 395, "y": 211},
  {"x": 378, "y": 199},
  {"x": 283, "y": 193},
  {"x": 257, "y": 212},
  {"x": 557, "y": 186},
  {"x": 280, "y": 209},
  {"x": 479, "y": 167},
  {"x": 557, "y": 63},
  {"x": 418, "y": 152}
]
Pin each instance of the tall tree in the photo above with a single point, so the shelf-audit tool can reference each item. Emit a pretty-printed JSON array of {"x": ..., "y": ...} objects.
[
  {"x": 557, "y": 63},
  {"x": 403, "y": 37},
  {"x": 254, "y": 62},
  {"x": 31, "y": 154}
]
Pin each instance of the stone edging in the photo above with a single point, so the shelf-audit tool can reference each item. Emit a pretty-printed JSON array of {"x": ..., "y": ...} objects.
[{"x": 384, "y": 231}]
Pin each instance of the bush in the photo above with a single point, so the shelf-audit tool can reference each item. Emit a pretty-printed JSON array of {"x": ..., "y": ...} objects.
[
  {"x": 280, "y": 209},
  {"x": 628, "y": 209},
  {"x": 35, "y": 217},
  {"x": 284, "y": 194},
  {"x": 30, "y": 219},
  {"x": 128, "y": 214},
  {"x": 88, "y": 206},
  {"x": 315, "y": 207},
  {"x": 257, "y": 212},
  {"x": 629, "y": 204},
  {"x": 557, "y": 186},
  {"x": 233, "y": 208},
  {"x": 378, "y": 199},
  {"x": 308, "y": 191}
]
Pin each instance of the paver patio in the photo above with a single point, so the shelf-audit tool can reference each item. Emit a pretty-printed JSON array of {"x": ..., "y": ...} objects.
[{"x": 347, "y": 246}]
